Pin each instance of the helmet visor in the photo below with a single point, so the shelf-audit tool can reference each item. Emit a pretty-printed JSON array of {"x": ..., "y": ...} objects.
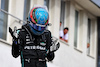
[{"x": 38, "y": 27}]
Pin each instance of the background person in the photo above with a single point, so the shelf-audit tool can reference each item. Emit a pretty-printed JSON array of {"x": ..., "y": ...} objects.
[{"x": 64, "y": 34}]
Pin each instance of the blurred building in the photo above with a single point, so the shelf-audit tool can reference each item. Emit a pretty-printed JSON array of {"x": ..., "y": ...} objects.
[{"x": 82, "y": 17}]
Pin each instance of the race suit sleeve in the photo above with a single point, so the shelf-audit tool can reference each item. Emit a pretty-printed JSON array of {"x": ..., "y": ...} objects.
[
  {"x": 16, "y": 46},
  {"x": 49, "y": 40},
  {"x": 50, "y": 55},
  {"x": 52, "y": 43}
]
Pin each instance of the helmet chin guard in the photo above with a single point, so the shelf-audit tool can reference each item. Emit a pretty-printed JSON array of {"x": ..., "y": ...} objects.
[{"x": 35, "y": 32}]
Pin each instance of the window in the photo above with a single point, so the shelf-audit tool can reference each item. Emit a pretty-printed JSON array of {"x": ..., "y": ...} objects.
[
  {"x": 76, "y": 28},
  {"x": 63, "y": 34},
  {"x": 3, "y": 19},
  {"x": 62, "y": 14},
  {"x": 88, "y": 36},
  {"x": 46, "y": 3},
  {"x": 26, "y": 9}
]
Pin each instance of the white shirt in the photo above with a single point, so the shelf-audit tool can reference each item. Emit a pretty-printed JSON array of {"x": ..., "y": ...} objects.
[{"x": 61, "y": 34}]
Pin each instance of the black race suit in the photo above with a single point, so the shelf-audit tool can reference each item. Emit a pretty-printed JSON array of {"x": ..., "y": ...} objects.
[{"x": 31, "y": 48}]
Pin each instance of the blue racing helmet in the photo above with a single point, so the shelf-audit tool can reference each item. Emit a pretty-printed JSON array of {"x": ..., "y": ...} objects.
[{"x": 38, "y": 18}]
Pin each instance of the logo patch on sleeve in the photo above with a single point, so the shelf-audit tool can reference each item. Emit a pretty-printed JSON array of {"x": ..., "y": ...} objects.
[{"x": 42, "y": 43}]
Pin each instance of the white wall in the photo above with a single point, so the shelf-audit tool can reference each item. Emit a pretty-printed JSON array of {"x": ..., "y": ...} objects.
[
  {"x": 54, "y": 16},
  {"x": 16, "y": 8},
  {"x": 36, "y": 2},
  {"x": 6, "y": 59},
  {"x": 67, "y": 56}
]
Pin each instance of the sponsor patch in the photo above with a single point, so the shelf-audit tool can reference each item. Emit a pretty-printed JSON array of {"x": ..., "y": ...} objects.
[
  {"x": 35, "y": 47},
  {"x": 42, "y": 43}
]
